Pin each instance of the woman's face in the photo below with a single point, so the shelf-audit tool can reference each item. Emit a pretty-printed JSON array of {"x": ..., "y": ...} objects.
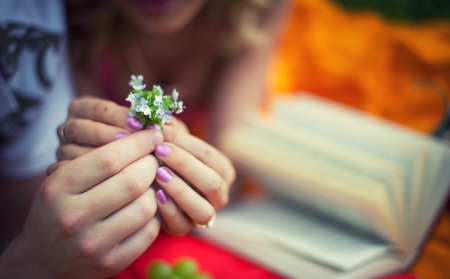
[{"x": 160, "y": 17}]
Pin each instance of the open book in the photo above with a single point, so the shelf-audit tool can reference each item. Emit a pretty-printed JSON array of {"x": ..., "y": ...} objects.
[{"x": 351, "y": 195}]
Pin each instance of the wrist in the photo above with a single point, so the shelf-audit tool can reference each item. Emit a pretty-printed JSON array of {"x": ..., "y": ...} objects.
[{"x": 15, "y": 263}]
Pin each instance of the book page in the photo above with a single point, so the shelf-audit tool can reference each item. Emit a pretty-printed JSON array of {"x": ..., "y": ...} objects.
[
  {"x": 363, "y": 132},
  {"x": 315, "y": 183},
  {"x": 423, "y": 188},
  {"x": 433, "y": 202},
  {"x": 301, "y": 233},
  {"x": 343, "y": 157}
]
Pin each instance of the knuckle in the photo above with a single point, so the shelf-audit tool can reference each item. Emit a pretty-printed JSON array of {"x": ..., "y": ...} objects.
[
  {"x": 111, "y": 262},
  {"x": 179, "y": 193},
  {"x": 170, "y": 134},
  {"x": 205, "y": 152},
  {"x": 146, "y": 209},
  {"x": 74, "y": 105},
  {"x": 109, "y": 162},
  {"x": 181, "y": 162},
  {"x": 49, "y": 192},
  {"x": 135, "y": 185},
  {"x": 171, "y": 216},
  {"x": 152, "y": 233},
  {"x": 89, "y": 248},
  {"x": 69, "y": 223},
  {"x": 142, "y": 144},
  {"x": 214, "y": 185},
  {"x": 99, "y": 109}
]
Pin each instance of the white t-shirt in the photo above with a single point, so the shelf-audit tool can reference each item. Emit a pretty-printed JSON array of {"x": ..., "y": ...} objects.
[{"x": 35, "y": 84}]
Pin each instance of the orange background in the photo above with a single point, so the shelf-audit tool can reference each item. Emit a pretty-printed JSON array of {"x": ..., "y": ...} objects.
[{"x": 363, "y": 60}]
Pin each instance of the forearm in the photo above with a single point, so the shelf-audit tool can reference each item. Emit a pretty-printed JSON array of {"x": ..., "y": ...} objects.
[{"x": 242, "y": 82}]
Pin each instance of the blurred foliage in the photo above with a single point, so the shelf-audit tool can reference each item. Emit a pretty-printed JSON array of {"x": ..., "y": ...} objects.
[{"x": 403, "y": 10}]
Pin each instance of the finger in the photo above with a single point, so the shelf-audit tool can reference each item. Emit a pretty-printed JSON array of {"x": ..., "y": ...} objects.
[
  {"x": 127, "y": 220},
  {"x": 204, "y": 178},
  {"x": 103, "y": 111},
  {"x": 98, "y": 165},
  {"x": 88, "y": 132},
  {"x": 174, "y": 220},
  {"x": 177, "y": 124},
  {"x": 72, "y": 151},
  {"x": 55, "y": 166},
  {"x": 198, "y": 209},
  {"x": 127, "y": 251},
  {"x": 61, "y": 133},
  {"x": 203, "y": 151},
  {"x": 119, "y": 190}
]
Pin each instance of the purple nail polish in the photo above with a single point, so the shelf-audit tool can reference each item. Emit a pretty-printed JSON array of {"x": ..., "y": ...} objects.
[
  {"x": 153, "y": 127},
  {"x": 163, "y": 150},
  {"x": 121, "y": 135},
  {"x": 163, "y": 175},
  {"x": 134, "y": 123},
  {"x": 162, "y": 197}
]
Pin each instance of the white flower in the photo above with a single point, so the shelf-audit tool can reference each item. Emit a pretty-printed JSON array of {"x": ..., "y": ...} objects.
[
  {"x": 180, "y": 107},
  {"x": 136, "y": 82},
  {"x": 158, "y": 101},
  {"x": 142, "y": 106},
  {"x": 167, "y": 118},
  {"x": 175, "y": 95},
  {"x": 132, "y": 97},
  {"x": 143, "y": 101},
  {"x": 160, "y": 112},
  {"x": 158, "y": 89},
  {"x": 146, "y": 110},
  {"x": 131, "y": 113}
]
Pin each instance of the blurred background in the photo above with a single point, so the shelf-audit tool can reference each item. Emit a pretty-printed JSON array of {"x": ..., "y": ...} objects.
[
  {"x": 390, "y": 58},
  {"x": 402, "y": 10}
]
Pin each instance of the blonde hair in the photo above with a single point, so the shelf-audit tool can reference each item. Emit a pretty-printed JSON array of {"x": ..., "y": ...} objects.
[{"x": 90, "y": 24}]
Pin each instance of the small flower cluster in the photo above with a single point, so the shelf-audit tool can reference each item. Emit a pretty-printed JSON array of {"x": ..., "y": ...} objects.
[{"x": 152, "y": 107}]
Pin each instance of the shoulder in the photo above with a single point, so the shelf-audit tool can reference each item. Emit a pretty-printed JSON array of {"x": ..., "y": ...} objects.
[{"x": 35, "y": 82}]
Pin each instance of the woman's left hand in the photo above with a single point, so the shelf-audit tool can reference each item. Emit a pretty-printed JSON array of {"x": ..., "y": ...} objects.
[{"x": 196, "y": 175}]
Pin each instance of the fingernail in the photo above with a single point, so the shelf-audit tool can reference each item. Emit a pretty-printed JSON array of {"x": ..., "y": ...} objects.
[
  {"x": 153, "y": 127},
  {"x": 162, "y": 197},
  {"x": 163, "y": 175},
  {"x": 134, "y": 123},
  {"x": 163, "y": 150},
  {"x": 157, "y": 138},
  {"x": 121, "y": 135}
]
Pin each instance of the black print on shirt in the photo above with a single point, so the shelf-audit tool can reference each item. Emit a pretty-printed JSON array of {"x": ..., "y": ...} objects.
[{"x": 15, "y": 39}]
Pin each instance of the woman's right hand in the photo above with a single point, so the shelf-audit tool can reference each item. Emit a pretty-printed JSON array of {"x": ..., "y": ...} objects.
[
  {"x": 206, "y": 174},
  {"x": 92, "y": 216}
]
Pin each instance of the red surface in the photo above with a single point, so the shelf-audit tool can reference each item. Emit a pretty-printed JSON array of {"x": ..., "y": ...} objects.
[{"x": 210, "y": 258}]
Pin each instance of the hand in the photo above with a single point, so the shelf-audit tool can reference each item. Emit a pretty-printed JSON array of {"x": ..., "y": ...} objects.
[
  {"x": 92, "y": 216},
  {"x": 189, "y": 161},
  {"x": 94, "y": 122}
]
